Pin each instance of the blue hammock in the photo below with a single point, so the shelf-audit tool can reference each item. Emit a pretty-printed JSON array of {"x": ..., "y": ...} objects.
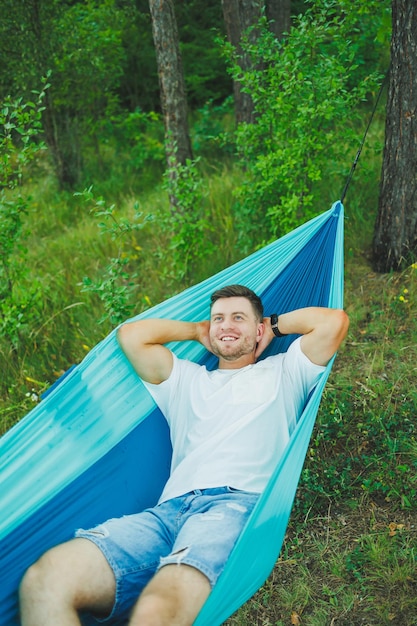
[{"x": 86, "y": 452}]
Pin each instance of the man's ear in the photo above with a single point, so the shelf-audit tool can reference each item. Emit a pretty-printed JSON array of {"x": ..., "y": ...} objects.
[{"x": 260, "y": 331}]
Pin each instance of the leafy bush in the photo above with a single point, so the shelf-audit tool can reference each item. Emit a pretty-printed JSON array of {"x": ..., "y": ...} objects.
[
  {"x": 306, "y": 90},
  {"x": 186, "y": 223},
  {"x": 20, "y": 298},
  {"x": 118, "y": 285}
]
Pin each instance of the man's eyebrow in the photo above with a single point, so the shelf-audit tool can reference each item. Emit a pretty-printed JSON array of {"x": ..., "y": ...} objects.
[{"x": 233, "y": 313}]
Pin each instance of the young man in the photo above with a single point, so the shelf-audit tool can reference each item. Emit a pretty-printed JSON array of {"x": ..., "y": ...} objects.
[{"x": 228, "y": 427}]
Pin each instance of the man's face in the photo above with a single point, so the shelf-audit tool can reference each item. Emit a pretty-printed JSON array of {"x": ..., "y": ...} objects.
[{"x": 234, "y": 328}]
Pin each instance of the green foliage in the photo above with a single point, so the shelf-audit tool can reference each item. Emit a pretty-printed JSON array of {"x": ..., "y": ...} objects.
[
  {"x": 212, "y": 130},
  {"x": 80, "y": 45},
  {"x": 186, "y": 223},
  {"x": 104, "y": 76},
  {"x": 306, "y": 91},
  {"x": 19, "y": 300},
  {"x": 87, "y": 41},
  {"x": 139, "y": 87},
  {"x": 117, "y": 285},
  {"x": 20, "y": 127},
  {"x": 132, "y": 152},
  {"x": 142, "y": 134},
  {"x": 90, "y": 53}
]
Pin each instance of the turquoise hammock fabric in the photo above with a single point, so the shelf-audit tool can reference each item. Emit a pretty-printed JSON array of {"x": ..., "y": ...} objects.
[{"x": 86, "y": 452}]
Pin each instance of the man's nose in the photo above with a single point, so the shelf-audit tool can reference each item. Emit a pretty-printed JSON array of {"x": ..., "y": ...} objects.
[{"x": 227, "y": 323}]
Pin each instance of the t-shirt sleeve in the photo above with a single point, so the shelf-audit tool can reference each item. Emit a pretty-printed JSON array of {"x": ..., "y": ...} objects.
[
  {"x": 300, "y": 368},
  {"x": 300, "y": 375},
  {"x": 173, "y": 392},
  {"x": 162, "y": 393}
]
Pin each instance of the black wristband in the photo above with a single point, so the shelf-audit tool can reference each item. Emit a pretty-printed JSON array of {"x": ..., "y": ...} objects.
[{"x": 274, "y": 326}]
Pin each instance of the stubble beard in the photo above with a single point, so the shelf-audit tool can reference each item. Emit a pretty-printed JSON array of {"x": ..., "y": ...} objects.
[{"x": 223, "y": 349}]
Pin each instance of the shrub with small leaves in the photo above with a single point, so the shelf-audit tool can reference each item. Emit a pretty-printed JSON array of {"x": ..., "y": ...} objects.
[
  {"x": 187, "y": 223},
  {"x": 20, "y": 300},
  {"x": 306, "y": 90},
  {"x": 117, "y": 286}
]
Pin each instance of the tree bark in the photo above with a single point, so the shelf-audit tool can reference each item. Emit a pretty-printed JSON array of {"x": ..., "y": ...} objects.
[
  {"x": 60, "y": 124},
  {"x": 395, "y": 234},
  {"x": 278, "y": 13},
  {"x": 239, "y": 17},
  {"x": 171, "y": 81}
]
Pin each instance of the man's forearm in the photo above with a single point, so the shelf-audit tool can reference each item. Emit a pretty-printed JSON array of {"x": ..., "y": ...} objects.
[
  {"x": 159, "y": 331},
  {"x": 143, "y": 344},
  {"x": 303, "y": 321},
  {"x": 323, "y": 330}
]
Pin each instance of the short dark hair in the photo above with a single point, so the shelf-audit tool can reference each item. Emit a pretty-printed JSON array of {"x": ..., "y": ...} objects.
[{"x": 240, "y": 291}]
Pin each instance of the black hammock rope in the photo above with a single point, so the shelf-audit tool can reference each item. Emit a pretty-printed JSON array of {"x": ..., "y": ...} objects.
[
  {"x": 358, "y": 154},
  {"x": 381, "y": 89}
]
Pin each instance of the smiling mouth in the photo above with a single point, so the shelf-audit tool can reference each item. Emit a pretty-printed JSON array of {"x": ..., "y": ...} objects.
[{"x": 228, "y": 338}]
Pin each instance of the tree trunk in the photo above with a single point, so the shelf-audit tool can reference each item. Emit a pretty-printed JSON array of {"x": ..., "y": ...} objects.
[
  {"x": 62, "y": 138},
  {"x": 239, "y": 16},
  {"x": 59, "y": 123},
  {"x": 171, "y": 81},
  {"x": 278, "y": 13},
  {"x": 395, "y": 234}
]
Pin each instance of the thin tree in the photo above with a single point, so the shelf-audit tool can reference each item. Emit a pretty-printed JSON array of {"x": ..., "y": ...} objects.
[
  {"x": 395, "y": 234},
  {"x": 80, "y": 43},
  {"x": 278, "y": 13},
  {"x": 171, "y": 81},
  {"x": 241, "y": 18}
]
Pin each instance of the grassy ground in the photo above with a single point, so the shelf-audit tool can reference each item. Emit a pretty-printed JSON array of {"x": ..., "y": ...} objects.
[
  {"x": 342, "y": 568},
  {"x": 349, "y": 557}
]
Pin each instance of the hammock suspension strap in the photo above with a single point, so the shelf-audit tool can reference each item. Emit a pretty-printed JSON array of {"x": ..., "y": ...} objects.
[{"x": 359, "y": 152}]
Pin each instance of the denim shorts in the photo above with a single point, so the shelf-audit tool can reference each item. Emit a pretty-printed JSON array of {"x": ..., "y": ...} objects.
[{"x": 199, "y": 529}]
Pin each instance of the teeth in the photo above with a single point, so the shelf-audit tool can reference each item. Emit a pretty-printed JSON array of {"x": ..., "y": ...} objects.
[{"x": 228, "y": 338}]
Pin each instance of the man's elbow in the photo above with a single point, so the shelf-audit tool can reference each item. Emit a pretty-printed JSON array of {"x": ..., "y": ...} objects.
[{"x": 126, "y": 335}]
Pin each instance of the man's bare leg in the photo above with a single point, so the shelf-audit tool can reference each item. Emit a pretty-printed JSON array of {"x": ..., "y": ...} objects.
[
  {"x": 71, "y": 577},
  {"x": 174, "y": 596}
]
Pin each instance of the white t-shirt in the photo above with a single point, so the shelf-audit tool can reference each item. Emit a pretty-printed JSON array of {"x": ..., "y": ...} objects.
[{"x": 229, "y": 427}]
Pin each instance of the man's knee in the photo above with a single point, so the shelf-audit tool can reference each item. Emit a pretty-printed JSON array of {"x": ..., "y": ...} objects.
[
  {"x": 29, "y": 583},
  {"x": 175, "y": 595},
  {"x": 56, "y": 572},
  {"x": 74, "y": 575},
  {"x": 157, "y": 609},
  {"x": 43, "y": 575}
]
